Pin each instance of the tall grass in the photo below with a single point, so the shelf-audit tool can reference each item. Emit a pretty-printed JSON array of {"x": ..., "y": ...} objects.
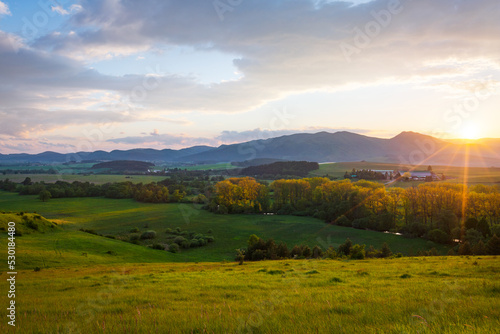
[{"x": 442, "y": 295}]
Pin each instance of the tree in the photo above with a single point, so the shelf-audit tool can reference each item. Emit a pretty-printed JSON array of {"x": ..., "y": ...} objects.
[
  {"x": 345, "y": 248},
  {"x": 483, "y": 227},
  {"x": 479, "y": 248},
  {"x": 27, "y": 181},
  {"x": 44, "y": 195},
  {"x": 439, "y": 236},
  {"x": 385, "y": 251},
  {"x": 470, "y": 223},
  {"x": 429, "y": 168},
  {"x": 465, "y": 249},
  {"x": 493, "y": 245},
  {"x": 317, "y": 252},
  {"x": 282, "y": 251}
]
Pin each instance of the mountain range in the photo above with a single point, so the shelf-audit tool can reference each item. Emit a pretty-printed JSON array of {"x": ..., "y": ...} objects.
[{"x": 405, "y": 148}]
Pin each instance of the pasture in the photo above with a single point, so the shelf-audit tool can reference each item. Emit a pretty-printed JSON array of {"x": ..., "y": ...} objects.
[
  {"x": 442, "y": 295},
  {"x": 118, "y": 217}
]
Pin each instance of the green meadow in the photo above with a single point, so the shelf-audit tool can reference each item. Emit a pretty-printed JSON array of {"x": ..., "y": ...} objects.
[
  {"x": 471, "y": 175},
  {"x": 117, "y": 217},
  {"x": 408, "y": 295}
]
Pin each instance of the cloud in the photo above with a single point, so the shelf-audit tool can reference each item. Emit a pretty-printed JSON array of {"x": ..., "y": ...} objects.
[
  {"x": 282, "y": 47},
  {"x": 163, "y": 140},
  {"x": 4, "y": 9},
  {"x": 225, "y": 137},
  {"x": 29, "y": 122},
  {"x": 286, "y": 47},
  {"x": 60, "y": 10}
]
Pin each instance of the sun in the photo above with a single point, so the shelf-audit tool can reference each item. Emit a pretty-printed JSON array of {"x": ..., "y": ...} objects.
[{"x": 470, "y": 131}]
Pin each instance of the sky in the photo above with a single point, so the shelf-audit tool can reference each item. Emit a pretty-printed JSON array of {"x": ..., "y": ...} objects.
[{"x": 113, "y": 74}]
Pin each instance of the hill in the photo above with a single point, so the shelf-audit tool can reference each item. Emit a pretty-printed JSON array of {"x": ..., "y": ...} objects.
[{"x": 405, "y": 148}]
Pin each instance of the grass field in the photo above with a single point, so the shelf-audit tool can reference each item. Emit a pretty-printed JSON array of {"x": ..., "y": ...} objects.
[
  {"x": 445, "y": 295},
  {"x": 118, "y": 217},
  {"x": 93, "y": 178},
  {"x": 472, "y": 175}
]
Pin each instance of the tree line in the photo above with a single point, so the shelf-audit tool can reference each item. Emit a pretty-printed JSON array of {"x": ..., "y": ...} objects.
[
  {"x": 259, "y": 249},
  {"x": 171, "y": 190},
  {"x": 436, "y": 211}
]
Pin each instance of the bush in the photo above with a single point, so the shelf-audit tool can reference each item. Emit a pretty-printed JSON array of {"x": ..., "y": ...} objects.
[
  {"x": 385, "y": 251},
  {"x": 493, "y": 245},
  {"x": 465, "y": 249},
  {"x": 148, "y": 235},
  {"x": 345, "y": 248},
  {"x": 134, "y": 237},
  {"x": 439, "y": 236},
  {"x": 343, "y": 221},
  {"x": 158, "y": 246},
  {"x": 317, "y": 252},
  {"x": 173, "y": 248},
  {"x": 179, "y": 240},
  {"x": 358, "y": 252},
  {"x": 135, "y": 230}
]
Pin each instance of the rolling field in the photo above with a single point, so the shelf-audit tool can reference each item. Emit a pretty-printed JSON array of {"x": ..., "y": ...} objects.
[
  {"x": 445, "y": 295},
  {"x": 118, "y": 217},
  {"x": 472, "y": 175},
  {"x": 97, "y": 179}
]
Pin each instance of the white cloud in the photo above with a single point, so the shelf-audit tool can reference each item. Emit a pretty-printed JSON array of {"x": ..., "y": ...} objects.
[
  {"x": 4, "y": 9},
  {"x": 60, "y": 10}
]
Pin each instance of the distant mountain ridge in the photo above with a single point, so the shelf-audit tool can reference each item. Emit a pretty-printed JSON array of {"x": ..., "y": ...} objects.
[{"x": 405, "y": 148}]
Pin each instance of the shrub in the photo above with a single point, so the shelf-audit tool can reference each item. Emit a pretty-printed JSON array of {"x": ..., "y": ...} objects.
[
  {"x": 158, "y": 246},
  {"x": 405, "y": 276},
  {"x": 385, "y": 251},
  {"x": 345, "y": 248},
  {"x": 306, "y": 251},
  {"x": 439, "y": 236},
  {"x": 173, "y": 248},
  {"x": 317, "y": 252},
  {"x": 195, "y": 243},
  {"x": 358, "y": 252},
  {"x": 37, "y": 269},
  {"x": 134, "y": 237},
  {"x": 465, "y": 249},
  {"x": 343, "y": 221},
  {"x": 148, "y": 235},
  {"x": 178, "y": 240},
  {"x": 135, "y": 230},
  {"x": 493, "y": 245},
  {"x": 258, "y": 255}
]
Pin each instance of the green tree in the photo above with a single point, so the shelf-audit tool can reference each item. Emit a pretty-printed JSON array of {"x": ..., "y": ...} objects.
[
  {"x": 317, "y": 252},
  {"x": 483, "y": 227},
  {"x": 385, "y": 251},
  {"x": 345, "y": 248},
  {"x": 479, "y": 248},
  {"x": 44, "y": 195},
  {"x": 493, "y": 245},
  {"x": 465, "y": 249}
]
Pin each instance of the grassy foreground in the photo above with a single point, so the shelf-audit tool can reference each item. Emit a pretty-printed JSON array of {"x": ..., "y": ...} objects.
[{"x": 408, "y": 295}]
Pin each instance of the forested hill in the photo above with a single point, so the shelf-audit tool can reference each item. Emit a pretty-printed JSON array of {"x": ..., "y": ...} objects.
[
  {"x": 405, "y": 148},
  {"x": 282, "y": 168}
]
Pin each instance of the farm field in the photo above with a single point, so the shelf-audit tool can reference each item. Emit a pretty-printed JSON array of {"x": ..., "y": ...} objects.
[
  {"x": 92, "y": 178},
  {"x": 408, "y": 295},
  {"x": 472, "y": 175},
  {"x": 119, "y": 217}
]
